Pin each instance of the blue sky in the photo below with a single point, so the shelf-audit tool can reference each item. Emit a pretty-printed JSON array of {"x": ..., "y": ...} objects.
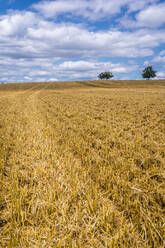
[{"x": 76, "y": 40}]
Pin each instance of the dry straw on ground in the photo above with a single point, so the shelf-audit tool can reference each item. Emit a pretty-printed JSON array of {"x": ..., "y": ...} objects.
[{"x": 82, "y": 164}]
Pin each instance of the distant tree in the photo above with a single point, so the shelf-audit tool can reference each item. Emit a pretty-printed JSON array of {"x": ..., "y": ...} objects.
[
  {"x": 105, "y": 75},
  {"x": 148, "y": 73}
]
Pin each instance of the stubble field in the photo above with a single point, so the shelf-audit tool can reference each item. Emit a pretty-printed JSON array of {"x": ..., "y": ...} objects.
[{"x": 82, "y": 164}]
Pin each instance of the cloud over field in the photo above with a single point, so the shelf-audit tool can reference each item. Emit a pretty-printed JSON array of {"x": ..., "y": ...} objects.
[
  {"x": 91, "y": 9},
  {"x": 51, "y": 39}
]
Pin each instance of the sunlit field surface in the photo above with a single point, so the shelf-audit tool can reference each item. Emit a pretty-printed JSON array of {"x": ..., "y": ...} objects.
[{"x": 82, "y": 164}]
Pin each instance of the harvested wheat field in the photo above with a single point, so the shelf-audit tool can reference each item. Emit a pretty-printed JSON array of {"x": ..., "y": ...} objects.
[{"x": 82, "y": 164}]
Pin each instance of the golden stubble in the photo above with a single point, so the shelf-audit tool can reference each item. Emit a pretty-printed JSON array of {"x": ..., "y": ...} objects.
[{"x": 81, "y": 165}]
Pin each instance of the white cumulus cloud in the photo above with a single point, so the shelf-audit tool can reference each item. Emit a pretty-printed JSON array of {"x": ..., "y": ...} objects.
[
  {"x": 151, "y": 16},
  {"x": 90, "y": 9}
]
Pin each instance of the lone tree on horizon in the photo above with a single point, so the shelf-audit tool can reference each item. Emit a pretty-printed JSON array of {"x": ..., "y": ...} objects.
[
  {"x": 148, "y": 73},
  {"x": 105, "y": 75}
]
